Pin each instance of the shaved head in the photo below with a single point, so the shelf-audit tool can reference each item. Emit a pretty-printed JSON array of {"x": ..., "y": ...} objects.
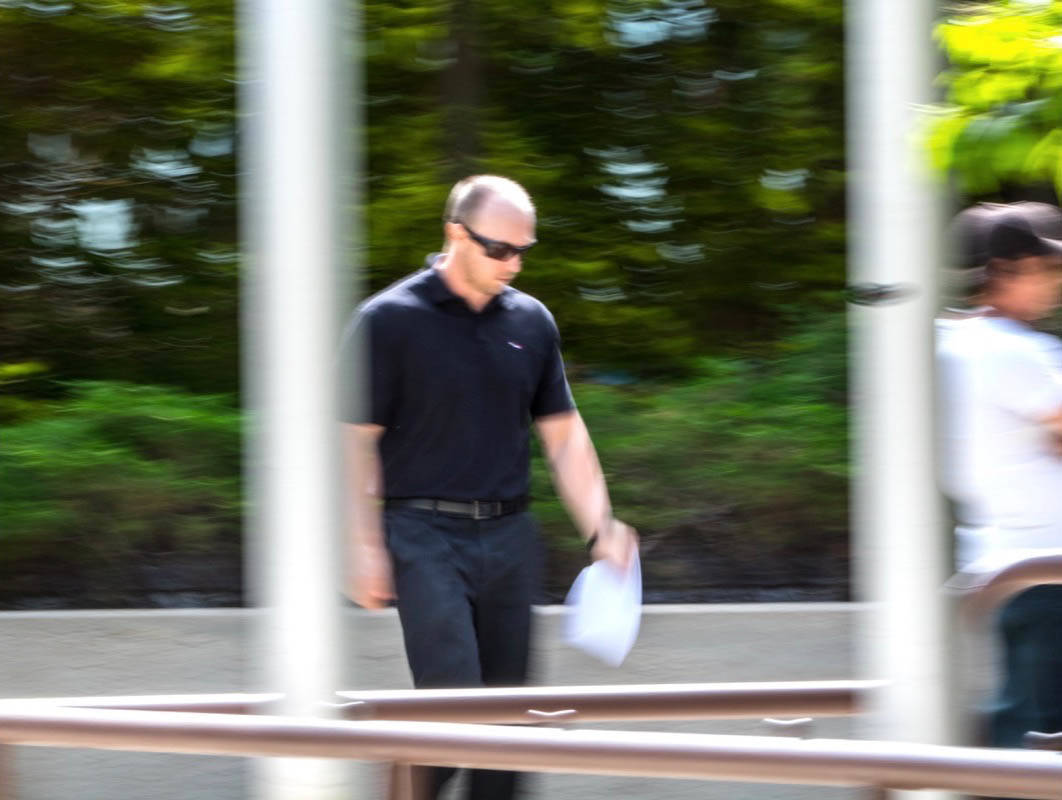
[{"x": 471, "y": 196}]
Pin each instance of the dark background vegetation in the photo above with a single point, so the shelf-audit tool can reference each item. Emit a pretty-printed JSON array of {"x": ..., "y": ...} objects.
[{"x": 687, "y": 159}]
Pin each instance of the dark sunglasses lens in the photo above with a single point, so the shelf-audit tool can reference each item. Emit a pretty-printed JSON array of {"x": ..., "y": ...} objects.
[{"x": 500, "y": 251}]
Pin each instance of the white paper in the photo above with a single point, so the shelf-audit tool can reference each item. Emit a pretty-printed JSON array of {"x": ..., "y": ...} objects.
[{"x": 605, "y": 610}]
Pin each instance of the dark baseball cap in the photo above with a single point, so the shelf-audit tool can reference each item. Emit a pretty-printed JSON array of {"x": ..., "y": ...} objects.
[
  {"x": 969, "y": 234},
  {"x": 1046, "y": 219},
  {"x": 996, "y": 230},
  {"x": 1012, "y": 237}
]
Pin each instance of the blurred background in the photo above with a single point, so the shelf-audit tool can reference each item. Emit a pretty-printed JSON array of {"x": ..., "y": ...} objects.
[{"x": 688, "y": 162}]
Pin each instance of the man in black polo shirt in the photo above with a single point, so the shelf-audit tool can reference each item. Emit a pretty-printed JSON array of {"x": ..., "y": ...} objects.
[{"x": 459, "y": 364}]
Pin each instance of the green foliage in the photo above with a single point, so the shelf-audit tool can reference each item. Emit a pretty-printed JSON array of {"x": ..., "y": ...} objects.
[
  {"x": 118, "y": 191},
  {"x": 1002, "y": 119},
  {"x": 685, "y": 157},
  {"x": 14, "y": 373},
  {"x": 15, "y": 379},
  {"x": 117, "y": 471},
  {"x": 758, "y": 446},
  {"x": 687, "y": 160}
]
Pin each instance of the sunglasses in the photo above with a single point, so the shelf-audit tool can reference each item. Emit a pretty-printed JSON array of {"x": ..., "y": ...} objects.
[{"x": 499, "y": 251}]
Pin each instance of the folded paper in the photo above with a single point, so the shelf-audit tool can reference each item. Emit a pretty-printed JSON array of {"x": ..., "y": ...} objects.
[{"x": 605, "y": 610}]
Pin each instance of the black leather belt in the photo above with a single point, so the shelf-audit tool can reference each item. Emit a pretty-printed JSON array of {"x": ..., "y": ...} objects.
[{"x": 476, "y": 509}]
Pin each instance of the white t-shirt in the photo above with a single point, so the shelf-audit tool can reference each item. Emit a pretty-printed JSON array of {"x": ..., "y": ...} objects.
[{"x": 999, "y": 380}]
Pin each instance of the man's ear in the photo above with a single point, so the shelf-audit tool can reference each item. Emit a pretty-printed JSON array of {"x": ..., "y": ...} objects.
[{"x": 454, "y": 231}]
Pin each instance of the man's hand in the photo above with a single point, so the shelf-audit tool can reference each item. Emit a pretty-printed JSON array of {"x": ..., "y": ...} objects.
[
  {"x": 617, "y": 542},
  {"x": 369, "y": 580}
]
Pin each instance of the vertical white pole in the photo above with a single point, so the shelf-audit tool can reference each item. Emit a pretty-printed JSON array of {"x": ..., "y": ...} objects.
[
  {"x": 900, "y": 557},
  {"x": 290, "y": 115}
]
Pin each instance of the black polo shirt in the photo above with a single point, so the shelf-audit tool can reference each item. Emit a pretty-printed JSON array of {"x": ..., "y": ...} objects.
[{"x": 455, "y": 390}]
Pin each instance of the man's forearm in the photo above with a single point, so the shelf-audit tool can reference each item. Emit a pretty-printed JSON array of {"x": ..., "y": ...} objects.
[
  {"x": 578, "y": 477},
  {"x": 370, "y": 582},
  {"x": 364, "y": 481},
  {"x": 581, "y": 485}
]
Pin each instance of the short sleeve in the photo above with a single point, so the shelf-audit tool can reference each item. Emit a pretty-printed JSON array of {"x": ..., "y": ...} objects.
[
  {"x": 367, "y": 376},
  {"x": 552, "y": 395},
  {"x": 1028, "y": 381}
]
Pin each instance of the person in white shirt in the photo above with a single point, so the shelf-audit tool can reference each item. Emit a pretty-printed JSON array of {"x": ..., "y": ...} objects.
[{"x": 1001, "y": 383}]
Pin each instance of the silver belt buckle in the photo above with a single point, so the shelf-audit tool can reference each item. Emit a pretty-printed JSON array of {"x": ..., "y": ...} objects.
[{"x": 476, "y": 506}]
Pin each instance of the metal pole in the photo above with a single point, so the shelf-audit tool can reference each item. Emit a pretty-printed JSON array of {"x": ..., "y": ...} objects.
[
  {"x": 289, "y": 116},
  {"x": 897, "y": 521},
  {"x": 759, "y": 759}
]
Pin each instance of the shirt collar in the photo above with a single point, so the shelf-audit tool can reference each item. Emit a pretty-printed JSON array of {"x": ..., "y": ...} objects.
[{"x": 439, "y": 292}]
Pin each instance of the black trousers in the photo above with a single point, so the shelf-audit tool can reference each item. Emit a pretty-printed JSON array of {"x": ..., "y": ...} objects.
[
  {"x": 464, "y": 589},
  {"x": 1030, "y": 698}
]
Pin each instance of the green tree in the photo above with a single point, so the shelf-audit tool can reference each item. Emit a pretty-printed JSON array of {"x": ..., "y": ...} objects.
[
  {"x": 117, "y": 190},
  {"x": 686, "y": 158},
  {"x": 998, "y": 132}
]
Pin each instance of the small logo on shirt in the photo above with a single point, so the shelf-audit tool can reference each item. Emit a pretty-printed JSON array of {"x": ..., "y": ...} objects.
[{"x": 515, "y": 345}]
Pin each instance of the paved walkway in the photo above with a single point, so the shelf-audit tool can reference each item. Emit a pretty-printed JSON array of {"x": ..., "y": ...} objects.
[{"x": 154, "y": 652}]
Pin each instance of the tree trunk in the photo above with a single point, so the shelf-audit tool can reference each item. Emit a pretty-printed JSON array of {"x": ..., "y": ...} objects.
[{"x": 463, "y": 92}]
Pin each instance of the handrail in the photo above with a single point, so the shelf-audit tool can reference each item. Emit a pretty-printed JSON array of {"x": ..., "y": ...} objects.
[
  {"x": 215, "y": 703},
  {"x": 530, "y": 705},
  {"x": 981, "y": 593},
  {"x": 630, "y": 703},
  {"x": 1036, "y": 740},
  {"x": 825, "y": 762}
]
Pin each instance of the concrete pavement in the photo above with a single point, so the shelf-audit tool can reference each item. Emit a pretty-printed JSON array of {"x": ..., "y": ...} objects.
[{"x": 184, "y": 651}]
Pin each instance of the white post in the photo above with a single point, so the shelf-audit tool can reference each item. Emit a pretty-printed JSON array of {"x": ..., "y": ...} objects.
[
  {"x": 291, "y": 115},
  {"x": 900, "y": 555}
]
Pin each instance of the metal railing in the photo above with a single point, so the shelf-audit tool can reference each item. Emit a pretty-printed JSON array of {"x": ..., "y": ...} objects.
[
  {"x": 444, "y": 727},
  {"x": 825, "y": 762},
  {"x": 981, "y": 593},
  {"x": 629, "y": 703},
  {"x": 1035, "y": 740},
  {"x": 524, "y": 706}
]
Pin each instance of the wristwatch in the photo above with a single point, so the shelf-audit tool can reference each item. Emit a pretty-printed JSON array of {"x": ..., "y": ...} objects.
[{"x": 592, "y": 540}]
